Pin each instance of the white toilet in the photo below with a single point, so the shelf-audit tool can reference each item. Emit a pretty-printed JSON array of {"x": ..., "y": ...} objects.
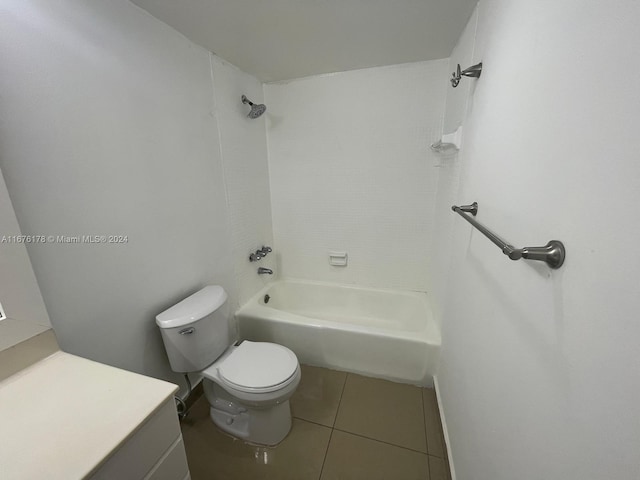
[{"x": 248, "y": 386}]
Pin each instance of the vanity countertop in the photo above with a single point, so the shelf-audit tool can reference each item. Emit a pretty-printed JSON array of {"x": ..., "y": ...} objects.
[{"x": 63, "y": 416}]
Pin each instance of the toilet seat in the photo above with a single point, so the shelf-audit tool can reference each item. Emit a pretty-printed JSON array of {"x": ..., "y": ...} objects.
[{"x": 258, "y": 367}]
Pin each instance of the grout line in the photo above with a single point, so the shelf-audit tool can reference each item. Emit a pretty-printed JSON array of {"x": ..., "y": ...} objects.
[
  {"x": 429, "y": 457},
  {"x": 380, "y": 441},
  {"x": 445, "y": 431},
  {"x": 344, "y": 385},
  {"x": 326, "y": 452},
  {"x": 435, "y": 422},
  {"x": 311, "y": 421},
  {"x": 426, "y": 435}
]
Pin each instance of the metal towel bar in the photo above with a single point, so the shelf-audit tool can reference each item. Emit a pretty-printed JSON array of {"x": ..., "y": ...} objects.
[{"x": 553, "y": 253}]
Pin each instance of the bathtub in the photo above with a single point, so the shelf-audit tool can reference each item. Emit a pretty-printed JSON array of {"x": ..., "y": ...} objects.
[{"x": 379, "y": 333}]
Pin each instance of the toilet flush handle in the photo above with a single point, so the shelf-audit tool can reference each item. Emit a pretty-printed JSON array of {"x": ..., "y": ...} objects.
[{"x": 187, "y": 331}]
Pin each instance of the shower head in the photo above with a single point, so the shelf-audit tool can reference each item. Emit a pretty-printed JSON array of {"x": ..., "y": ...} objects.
[{"x": 256, "y": 109}]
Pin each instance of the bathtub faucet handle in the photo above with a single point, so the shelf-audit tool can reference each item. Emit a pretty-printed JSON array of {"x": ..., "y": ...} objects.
[
  {"x": 260, "y": 254},
  {"x": 254, "y": 257}
]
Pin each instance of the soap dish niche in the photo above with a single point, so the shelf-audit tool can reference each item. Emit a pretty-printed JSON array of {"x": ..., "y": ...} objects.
[
  {"x": 449, "y": 144},
  {"x": 338, "y": 259}
]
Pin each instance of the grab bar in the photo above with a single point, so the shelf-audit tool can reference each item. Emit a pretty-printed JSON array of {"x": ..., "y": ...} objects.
[{"x": 553, "y": 253}]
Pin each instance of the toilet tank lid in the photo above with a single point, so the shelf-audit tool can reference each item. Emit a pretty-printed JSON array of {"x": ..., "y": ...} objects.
[{"x": 193, "y": 308}]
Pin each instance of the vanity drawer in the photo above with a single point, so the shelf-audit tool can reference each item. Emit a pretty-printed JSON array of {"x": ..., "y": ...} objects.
[
  {"x": 172, "y": 466},
  {"x": 138, "y": 456}
]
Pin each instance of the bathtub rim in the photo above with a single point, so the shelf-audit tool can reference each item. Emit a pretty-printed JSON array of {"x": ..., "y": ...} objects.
[{"x": 430, "y": 334}]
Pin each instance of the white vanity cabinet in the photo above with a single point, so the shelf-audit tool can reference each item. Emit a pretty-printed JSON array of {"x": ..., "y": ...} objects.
[
  {"x": 65, "y": 418},
  {"x": 155, "y": 451}
]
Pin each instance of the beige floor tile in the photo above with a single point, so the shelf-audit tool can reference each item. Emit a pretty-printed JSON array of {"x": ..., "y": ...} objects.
[
  {"x": 433, "y": 425},
  {"x": 438, "y": 469},
  {"x": 351, "y": 457},
  {"x": 382, "y": 410},
  {"x": 318, "y": 395},
  {"x": 214, "y": 455}
]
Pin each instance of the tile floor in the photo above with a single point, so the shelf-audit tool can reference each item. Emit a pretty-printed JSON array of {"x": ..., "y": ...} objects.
[{"x": 345, "y": 427}]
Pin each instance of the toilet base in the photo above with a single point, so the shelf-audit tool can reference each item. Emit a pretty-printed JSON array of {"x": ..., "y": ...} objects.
[
  {"x": 267, "y": 425},
  {"x": 262, "y": 427}
]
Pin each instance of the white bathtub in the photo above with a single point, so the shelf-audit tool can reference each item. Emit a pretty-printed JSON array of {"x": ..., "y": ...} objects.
[{"x": 380, "y": 333}]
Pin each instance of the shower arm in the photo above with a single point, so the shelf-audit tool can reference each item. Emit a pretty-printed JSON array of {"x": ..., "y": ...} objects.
[
  {"x": 473, "y": 72},
  {"x": 256, "y": 110}
]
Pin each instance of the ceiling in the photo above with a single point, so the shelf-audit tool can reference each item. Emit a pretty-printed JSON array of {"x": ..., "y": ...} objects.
[{"x": 283, "y": 39}]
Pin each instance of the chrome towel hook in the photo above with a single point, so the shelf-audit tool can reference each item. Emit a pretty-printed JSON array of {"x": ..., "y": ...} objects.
[{"x": 473, "y": 71}]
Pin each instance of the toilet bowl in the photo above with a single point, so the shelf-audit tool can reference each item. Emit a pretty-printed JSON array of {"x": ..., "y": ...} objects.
[
  {"x": 247, "y": 385},
  {"x": 248, "y": 390}
]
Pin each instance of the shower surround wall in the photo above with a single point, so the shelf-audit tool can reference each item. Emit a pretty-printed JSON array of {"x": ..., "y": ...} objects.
[
  {"x": 109, "y": 127},
  {"x": 351, "y": 170},
  {"x": 449, "y": 173},
  {"x": 243, "y": 144},
  {"x": 540, "y": 369}
]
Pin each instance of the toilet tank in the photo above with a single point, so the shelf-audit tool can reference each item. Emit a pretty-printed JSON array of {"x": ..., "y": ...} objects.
[{"x": 196, "y": 330}]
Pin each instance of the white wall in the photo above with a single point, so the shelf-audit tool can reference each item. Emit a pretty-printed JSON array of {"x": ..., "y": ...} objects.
[
  {"x": 351, "y": 170},
  {"x": 107, "y": 127},
  {"x": 244, "y": 153},
  {"x": 19, "y": 292},
  {"x": 540, "y": 369}
]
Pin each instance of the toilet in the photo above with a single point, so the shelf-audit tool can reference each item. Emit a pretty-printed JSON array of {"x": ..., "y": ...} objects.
[{"x": 247, "y": 385}]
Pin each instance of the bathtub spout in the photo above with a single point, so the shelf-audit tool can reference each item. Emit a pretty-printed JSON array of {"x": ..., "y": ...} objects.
[{"x": 262, "y": 270}]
